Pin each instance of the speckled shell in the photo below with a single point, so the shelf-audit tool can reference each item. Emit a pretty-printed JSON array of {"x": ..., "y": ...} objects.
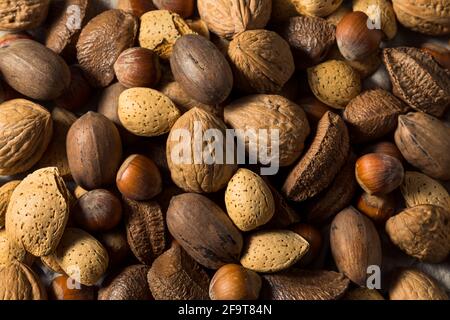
[{"x": 146, "y": 112}]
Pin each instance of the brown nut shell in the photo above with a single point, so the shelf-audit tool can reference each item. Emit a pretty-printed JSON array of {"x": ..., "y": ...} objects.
[
  {"x": 65, "y": 288},
  {"x": 130, "y": 284},
  {"x": 380, "y": 13},
  {"x": 17, "y": 15},
  {"x": 19, "y": 282}
]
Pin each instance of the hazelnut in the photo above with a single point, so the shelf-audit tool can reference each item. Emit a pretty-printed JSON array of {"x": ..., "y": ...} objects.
[
  {"x": 138, "y": 67},
  {"x": 385, "y": 147},
  {"x": 378, "y": 208},
  {"x": 139, "y": 178},
  {"x": 185, "y": 8},
  {"x": 355, "y": 39},
  {"x": 234, "y": 282},
  {"x": 65, "y": 288},
  {"x": 314, "y": 238},
  {"x": 379, "y": 173},
  {"x": 135, "y": 7},
  {"x": 78, "y": 93},
  {"x": 98, "y": 210}
]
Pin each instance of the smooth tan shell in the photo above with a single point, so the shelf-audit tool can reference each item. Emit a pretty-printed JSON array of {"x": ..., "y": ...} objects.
[
  {"x": 190, "y": 176},
  {"x": 227, "y": 18},
  {"x": 6, "y": 191},
  {"x": 38, "y": 211},
  {"x": 159, "y": 31},
  {"x": 428, "y": 17},
  {"x": 272, "y": 112},
  {"x": 19, "y": 282},
  {"x": 272, "y": 251},
  {"x": 412, "y": 284},
  {"x": 418, "y": 188},
  {"x": 81, "y": 256},
  {"x": 334, "y": 83},
  {"x": 423, "y": 232},
  {"x": 379, "y": 11},
  {"x": 55, "y": 155},
  {"x": 25, "y": 131},
  {"x": 249, "y": 200},
  {"x": 17, "y": 15},
  {"x": 146, "y": 112}
]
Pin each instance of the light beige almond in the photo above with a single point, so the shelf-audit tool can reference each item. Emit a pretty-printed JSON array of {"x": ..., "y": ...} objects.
[
  {"x": 249, "y": 200},
  {"x": 81, "y": 256},
  {"x": 5, "y": 194},
  {"x": 51, "y": 263},
  {"x": 19, "y": 282},
  {"x": 272, "y": 251},
  {"x": 418, "y": 188},
  {"x": 334, "y": 83},
  {"x": 38, "y": 211},
  {"x": 159, "y": 31},
  {"x": 146, "y": 112},
  {"x": 10, "y": 251}
]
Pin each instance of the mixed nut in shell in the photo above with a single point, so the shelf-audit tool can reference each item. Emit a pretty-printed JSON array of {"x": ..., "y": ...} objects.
[{"x": 224, "y": 150}]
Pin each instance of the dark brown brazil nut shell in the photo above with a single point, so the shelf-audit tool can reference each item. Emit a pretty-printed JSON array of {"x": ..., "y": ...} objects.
[
  {"x": 176, "y": 276},
  {"x": 130, "y": 284},
  {"x": 298, "y": 284},
  {"x": 204, "y": 230},
  {"x": 146, "y": 231},
  {"x": 418, "y": 80},
  {"x": 321, "y": 162},
  {"x": 101, "y": 42}
]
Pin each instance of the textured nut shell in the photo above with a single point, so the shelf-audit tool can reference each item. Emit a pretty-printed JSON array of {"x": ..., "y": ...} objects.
[
  {"x": 422, "y": 232},
  {"x": 227, "y": 18},
  {"x": 159, "y": 31},
  {"x": 418, "y": 80},
  {"x": 130, "y": 284},
  {"x": 11, "y": 251},
  {"x": 363, "y": 294},
  {"x": 336, "y": 197},
  {"x": 193, "y": 177},
  {"x": 334, "y": 83},
  {"x": 66, "y": 26},
  {"x": 321, "y": 162},
  {"x": 146, "y": 112},
  {"x": 176, "y": 276},
  {"x": 372, "y": 114},
  {"x": 257, "y": 112},
  {"x": 81, "y": 256},
  {"x": 26, "y": 130},
  {"x": 146, "y": 229},
  {"x": 249, "y": 200},
  {"x": 34, "y": 70},
  {"x": 320, "y": 8},
  {"x": 418, "y": 188},
  {"x": 262, "y": 61},
  {"x": 298, "y": 284},
  {"x": 51, "y": 262},
  {"x": 284, "y": 9},
  {"x": 6, "y": 191},
  {"x": 355, "y": 244},
  {"x": 412, "y": 284},
  {"x": 19, "y": 282},
  {"x": 337, "y": 15},
  {"x": 273, "y": 251},
  {"x": 55, "y": 155},
  {"x": 38, "y": 211},
  {"x": 428, "y": 17},
  {"x": 424, "y": 142},
  {"x": 100, "y": 43},
  {"x": 379, "y": 11},
  {"x": 17, "y": 15}
]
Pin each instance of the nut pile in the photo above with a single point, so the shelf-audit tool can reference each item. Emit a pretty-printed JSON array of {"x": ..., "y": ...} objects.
[{"x": 119, "y": 179}]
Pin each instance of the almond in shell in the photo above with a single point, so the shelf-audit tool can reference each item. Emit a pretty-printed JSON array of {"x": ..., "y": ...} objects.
[{"x": 6, "y": 191}]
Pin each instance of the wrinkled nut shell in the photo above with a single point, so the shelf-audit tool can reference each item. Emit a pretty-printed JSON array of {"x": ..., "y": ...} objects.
[
  {"x": 6, "y": 192},
  {"x": 262, "y": 61},
  {"x": 11, "y": 251},
  {"x": 272, "y": 251},
  {"x": 249, "y": 200},
  {"x": 17, "y": 15},
  {"x": 334, "y": 83},
  {"x": 19, "y": 282},
  {"x": 159, "y": 31},
  {"x": 418, "y": 189},
  {"x": 101, "y": 42},
  {"x": 422, "y": 232},
  {"x": 38, "y": 212},
  {"x": 412, "y": 284},
  {"x": 130, "y": 284},
  {"x": 81, "y": 256},
  {"x": 273, "y": 112},
  {"x": 227, "y": 18},
  {"x": 146, "y": 112}
]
